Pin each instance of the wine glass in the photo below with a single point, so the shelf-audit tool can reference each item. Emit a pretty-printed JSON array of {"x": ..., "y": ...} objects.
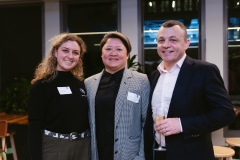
[{"x": 159, "y": 116}]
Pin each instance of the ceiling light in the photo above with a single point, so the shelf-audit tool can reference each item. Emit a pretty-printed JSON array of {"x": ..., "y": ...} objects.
[{"x": 150, "y": 4}]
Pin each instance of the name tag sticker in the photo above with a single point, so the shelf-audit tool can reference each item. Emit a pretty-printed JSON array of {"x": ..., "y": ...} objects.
[
  {"x": 64, "y": 90},
  {"x": 133, "y": 97}
]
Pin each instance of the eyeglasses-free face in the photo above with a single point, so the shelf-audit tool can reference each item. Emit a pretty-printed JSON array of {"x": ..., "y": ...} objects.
[
  {"x": 67, "y": 55},
  {"x": 114, "y": 55}
]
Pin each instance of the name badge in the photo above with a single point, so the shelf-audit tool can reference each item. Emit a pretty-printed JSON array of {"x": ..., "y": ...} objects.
[
  {"x": 64, "y": 90},
  {"x": 133, "y": 97}
]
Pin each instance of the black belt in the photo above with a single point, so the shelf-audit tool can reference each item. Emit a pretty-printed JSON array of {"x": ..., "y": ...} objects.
[{"x": 72, "y": 136}]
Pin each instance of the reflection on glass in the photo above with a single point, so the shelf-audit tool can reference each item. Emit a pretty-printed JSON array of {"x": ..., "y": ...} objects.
[
  {"x": 234, "y": 59},
  {"x": 151, "y": 28},
  {"x": 234, "y": 31}
]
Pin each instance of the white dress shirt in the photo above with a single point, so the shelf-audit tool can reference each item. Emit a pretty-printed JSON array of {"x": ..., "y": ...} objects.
[{"x": 163, "y": 91}]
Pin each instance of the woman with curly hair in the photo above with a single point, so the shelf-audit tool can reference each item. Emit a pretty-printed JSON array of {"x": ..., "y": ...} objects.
[{"x": 58, "y": 107}]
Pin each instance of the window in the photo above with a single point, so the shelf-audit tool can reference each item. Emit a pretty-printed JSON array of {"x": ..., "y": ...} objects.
[
  {"x": 91, "y": 21},
  {"x": 234, "y": 60},
  {"x": 20, "y": 42}
]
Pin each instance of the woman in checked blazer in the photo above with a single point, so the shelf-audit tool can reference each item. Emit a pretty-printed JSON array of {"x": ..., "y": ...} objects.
[{"x": 118, "y": 100}]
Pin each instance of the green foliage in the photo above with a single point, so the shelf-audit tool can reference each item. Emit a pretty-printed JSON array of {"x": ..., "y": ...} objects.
[
  {"x": 14, "y": 98},
  {"x": 133, "y": 65}
]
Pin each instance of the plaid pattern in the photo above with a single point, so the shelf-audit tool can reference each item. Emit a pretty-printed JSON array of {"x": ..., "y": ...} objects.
[{"x": 129, "y": 115}]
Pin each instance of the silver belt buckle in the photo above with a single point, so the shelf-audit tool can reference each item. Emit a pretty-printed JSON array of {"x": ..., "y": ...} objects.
[{"x": 74, "y": 136}]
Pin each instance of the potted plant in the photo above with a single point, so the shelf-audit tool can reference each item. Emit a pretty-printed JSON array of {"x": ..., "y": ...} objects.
[
  {"x": 14, "y": 98},
  {"x": 131, "y": 64}
]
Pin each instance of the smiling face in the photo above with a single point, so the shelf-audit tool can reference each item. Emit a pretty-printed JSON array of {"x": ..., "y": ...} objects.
[
  {"x": 67, "y": 55},
  {"x": 172, "y": 44},
  {"x": 114, "y": 55}
]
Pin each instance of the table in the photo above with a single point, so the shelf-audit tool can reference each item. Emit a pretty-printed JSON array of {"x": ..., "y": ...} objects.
[
  {"x": 221, "y": 152},
  {"x": 14, "y": 118},
  {"x": 235, "y": 142}
]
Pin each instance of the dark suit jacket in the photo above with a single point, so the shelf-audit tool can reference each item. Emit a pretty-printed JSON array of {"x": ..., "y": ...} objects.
[{"x": 202, "y": 103}]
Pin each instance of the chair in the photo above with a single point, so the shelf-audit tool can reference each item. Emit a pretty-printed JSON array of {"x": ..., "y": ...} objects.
[
  {"x": 3, "y": 135},
  {"x": 221, "y": 152},
  {"x": 3, "y": 155}
]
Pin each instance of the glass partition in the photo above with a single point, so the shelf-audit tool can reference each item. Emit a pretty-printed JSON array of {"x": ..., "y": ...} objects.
[{"x": 234, "y": 61}]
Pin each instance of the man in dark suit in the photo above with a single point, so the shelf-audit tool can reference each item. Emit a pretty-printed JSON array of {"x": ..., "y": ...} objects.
[{"x": 192, "y": 95}]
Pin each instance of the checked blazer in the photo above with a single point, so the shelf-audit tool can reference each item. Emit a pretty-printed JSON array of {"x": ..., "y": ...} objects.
[{"x": 129, "y": 115}]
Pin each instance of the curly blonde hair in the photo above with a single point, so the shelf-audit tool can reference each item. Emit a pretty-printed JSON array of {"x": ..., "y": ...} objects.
[{"x": 47, "y": 68}]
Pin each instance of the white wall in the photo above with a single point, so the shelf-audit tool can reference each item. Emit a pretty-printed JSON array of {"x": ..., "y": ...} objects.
[
  {"x": 215, "y": 49},
  {"x": 51, "y": 22},
  {"x": 130, "y": 25}
]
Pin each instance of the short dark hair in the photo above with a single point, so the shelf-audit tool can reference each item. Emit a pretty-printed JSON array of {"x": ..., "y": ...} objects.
[
  {"x": 172, "y": 23},
  {"x": 118, "y": 35}
]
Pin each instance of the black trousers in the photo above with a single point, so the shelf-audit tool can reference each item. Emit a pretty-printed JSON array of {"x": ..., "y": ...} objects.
[{"x": 159, "y": 155}]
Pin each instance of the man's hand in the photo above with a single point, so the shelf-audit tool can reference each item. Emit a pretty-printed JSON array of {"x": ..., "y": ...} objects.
[{"x": 168, "y": 126}]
